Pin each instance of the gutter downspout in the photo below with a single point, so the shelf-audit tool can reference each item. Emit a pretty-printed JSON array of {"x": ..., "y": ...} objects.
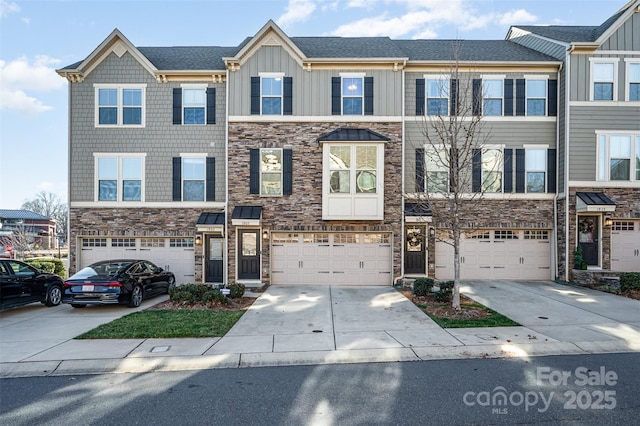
[
  {"x": 225, "y": 271},
  {"x": 555, "y": 197},
  {"x": 403, "y": 182},
  {"x": 566, "y": 162}
]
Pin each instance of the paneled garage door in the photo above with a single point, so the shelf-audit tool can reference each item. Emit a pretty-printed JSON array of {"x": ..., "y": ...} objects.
[
  {"x": 172, "y": 254},
  {"x": 498, "y": 255},
  {"x": 625, "y": 246},
  {"x": 331, "y": 259}
]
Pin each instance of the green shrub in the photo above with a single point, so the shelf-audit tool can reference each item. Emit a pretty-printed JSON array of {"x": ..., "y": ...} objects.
[
  {"x": 48, "y": 264},
  {"x": 422, "y": 286},
  {"x": 630, "y": 281},
  {"x": 236, "y": 290},
  {"x": 213, "y": 296},
  {"x": 446, "y": 290},
  {"x": 183, "y": 296}
]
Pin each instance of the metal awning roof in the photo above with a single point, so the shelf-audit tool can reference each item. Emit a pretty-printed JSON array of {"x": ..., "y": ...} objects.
[
  {"x": 594, "y": 202},
  {"x": 246, "y": 215},
  {"x": 211, "y": 218},
  {"x": 352, "y": 135}
]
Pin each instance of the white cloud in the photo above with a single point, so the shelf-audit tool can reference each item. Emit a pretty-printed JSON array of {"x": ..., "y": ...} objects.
[
  {"x": 297, "y": 11},
  {"x": 516, "y": 17},
  {"x": 8, "y": 7},
  {"x": 21, "y": 76}
]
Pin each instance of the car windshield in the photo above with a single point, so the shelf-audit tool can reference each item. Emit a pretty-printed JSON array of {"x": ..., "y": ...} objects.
[{"x": 108, "y": 269}]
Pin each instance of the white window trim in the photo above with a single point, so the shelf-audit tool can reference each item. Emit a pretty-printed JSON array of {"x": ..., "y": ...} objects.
[
  {"x": 344, "y": 75},
  {"x": 446, "y": 77},
  {"x": 436, "y": 148},
  {"x": 500, "y": 168},
  {"x": 615, "y": 76},
  {"x": 500, "y": 77},
  {"x": 353, "y": 205},
  {"x": 119, "y": 157},
  {"x": 607, "y": 167},
  {"x": 544, "y": 148},
  {"x": 272, "y": 75},
  {"x": 627, "y": 79},
  {"x": 204, "y": 179},
  {"x": 193, "y": 86},
  {"x": 120, "y": 106},
  {"x": 533, "y": 77},
  {"x": 260, "y": 172}
]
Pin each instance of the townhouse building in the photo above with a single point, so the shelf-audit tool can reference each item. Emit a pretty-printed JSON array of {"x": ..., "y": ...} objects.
[{"x": 302, "y": 160}]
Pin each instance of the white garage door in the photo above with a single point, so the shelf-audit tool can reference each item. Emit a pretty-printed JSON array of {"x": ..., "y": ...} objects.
[
  {"x": 625, "y": 246},
  {"x": 498, "y": 255},
  {"x": 172, "y": 254},
  {"x": 331, "y": 259}
]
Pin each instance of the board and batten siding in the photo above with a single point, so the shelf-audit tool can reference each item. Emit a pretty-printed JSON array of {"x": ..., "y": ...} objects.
[
  {"x": 627, "y": 37},
  {"x": 581, "y": 75},
  {"x": 160, "y": 139},
  {"x": 311, "y": 89},
  {"x": 585, "y": 121}
]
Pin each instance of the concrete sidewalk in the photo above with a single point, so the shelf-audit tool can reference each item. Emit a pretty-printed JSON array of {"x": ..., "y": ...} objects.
[{"x": 319, "y": 325}]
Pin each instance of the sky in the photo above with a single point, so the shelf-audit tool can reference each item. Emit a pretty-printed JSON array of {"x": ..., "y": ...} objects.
[{"x": 38, "y": 37}]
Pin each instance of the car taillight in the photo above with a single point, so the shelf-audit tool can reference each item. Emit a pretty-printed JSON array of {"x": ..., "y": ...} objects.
[{"x": 114, "y": 284}]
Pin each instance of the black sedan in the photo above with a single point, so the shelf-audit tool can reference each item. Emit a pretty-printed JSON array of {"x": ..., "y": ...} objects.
[
  {"x": 21, "y": 284},
  {"x": 116, "y": 282}
]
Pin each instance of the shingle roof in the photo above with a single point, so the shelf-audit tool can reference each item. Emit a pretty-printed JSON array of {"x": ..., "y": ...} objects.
[
  {"x": 21, "y": 214},
  {"x": 349, "y": 47},
  {"x": 188, "y": 58},
  {"x": 469, "y": 50}
]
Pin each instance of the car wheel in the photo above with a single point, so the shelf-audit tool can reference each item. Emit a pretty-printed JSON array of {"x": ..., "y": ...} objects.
[
  {"x": 136, "y": 296},
  {"x": 54, "y": 296},
  {"x": 78, "y": 305}
]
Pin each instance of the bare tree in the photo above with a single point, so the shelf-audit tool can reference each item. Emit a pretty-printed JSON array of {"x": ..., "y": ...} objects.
[
  {"x": 21, "y": 240},
  {"x": 458, "y": 166},
  {"x": 50, "y": 205}
]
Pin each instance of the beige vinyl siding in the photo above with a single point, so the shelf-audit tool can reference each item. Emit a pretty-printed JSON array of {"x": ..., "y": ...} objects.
[
  {"x": 584, "y": 123},
  {"x": 627, "y": 37},
  {"x": 311, "y": 89},
  {"x": 157, "y": 139}
]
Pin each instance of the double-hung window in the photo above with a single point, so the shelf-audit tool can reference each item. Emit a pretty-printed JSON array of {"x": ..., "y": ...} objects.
[
  {"x": 536, "y": 95},
  {"x": 619, "y": 157},
  {"x": 353, "y": 167},
  {"x": 120, "y": 105},
  {"x": 119, "y": 177},
  {"x": 492, "y": 95},
  {"x": 352, "y": 94},
  {"x": 436, "y": 171},
  {"x": 633, "y": 81},
  {"x": 437, "y": 95},
  {"x": 603, "y": 79},
  {"x": 271, "y": 171},
  {"x": 535, "y": 169},
  {"x": 193, "y": 178},
  {"x": 492, "y": 160},
  {"x": 271, "y": 93},
  {"x": 194, "y": 105}
]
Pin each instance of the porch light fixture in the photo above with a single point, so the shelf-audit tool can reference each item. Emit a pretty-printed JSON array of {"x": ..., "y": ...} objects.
[
  {"x": 432, "y": 232},
  {"x": 198, "y": 240},
  {"x": 608, "y": 221},
  {"x": 265, "y": 234}
]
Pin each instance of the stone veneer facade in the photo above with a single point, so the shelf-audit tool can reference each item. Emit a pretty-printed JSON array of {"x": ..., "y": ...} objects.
[
  {"x": 133, "y": 222},
  {"x": 302, "y": 210}
]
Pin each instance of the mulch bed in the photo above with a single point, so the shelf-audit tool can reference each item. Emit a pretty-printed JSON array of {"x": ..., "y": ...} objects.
[
  {"x": 445, "y": 310},
  {"x": 240, "y": 304}
]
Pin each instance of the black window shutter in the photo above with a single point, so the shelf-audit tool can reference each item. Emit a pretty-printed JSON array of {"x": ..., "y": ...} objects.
[
  {"x": 508, "y": 96},
  {"x": 551, "y": 170},
  {"x": 453, "y": 97},
  {"x": 508, "y": 170},
  {"x": 552, "y": 104},
  {"x": 211, "y": 179},
  {"x": 477, "y": 96},
  {"x": 211, "y": 105},
  {"x": 177, "y": 178},
  {"x": 520, "y": 96},
  {"x": 255, "y": 95},
  {"x": 254, "y": 171},
  {"x": 420, "y": 170},
  {"x": 368, "y": 96},
  {"x": 520, "y": 170},
  {"x": 287, "y": 171},
  {"x": 336, "y": 95},
  {"x": 177, "y": 106},
  {"x": 476, "y": 168},
  {"x": 287, "y": 95},
  {"x": 420, "y": 96}
]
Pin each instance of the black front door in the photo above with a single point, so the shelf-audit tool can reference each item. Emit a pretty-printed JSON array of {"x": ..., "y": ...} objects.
[
  {"x": 248, "y": 254},
  {"x": 213, "y": 259},
  {"x": 588, "y": 239},
  {"x": 415, "y": 250}
]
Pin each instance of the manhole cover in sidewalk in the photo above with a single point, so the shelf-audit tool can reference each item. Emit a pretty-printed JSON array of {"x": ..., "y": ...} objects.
[{"x": 160, "y": 349}]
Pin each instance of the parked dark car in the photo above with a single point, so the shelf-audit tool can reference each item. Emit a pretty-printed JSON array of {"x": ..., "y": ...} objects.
[
  {"x": 21, "y": 284},
  {"x": 123, "y": 281}
]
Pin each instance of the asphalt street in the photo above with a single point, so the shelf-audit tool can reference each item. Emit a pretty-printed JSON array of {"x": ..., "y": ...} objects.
[{"x": 584, "y": 390}]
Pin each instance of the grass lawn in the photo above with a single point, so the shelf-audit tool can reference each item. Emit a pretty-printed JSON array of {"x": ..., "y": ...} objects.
[{"x": 167, "y": 323}]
